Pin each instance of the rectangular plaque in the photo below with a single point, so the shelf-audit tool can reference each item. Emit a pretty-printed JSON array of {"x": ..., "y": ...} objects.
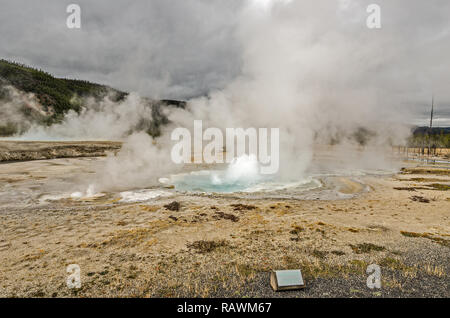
[{"x": 287, "y": 280}]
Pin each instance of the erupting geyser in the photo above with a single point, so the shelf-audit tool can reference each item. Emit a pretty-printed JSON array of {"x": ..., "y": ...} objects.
[{"x": 241, "y": 175}]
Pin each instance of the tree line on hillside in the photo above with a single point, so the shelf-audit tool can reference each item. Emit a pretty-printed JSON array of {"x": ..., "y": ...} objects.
[
  {"x": 59, "y": 95},
  {"x": 422, "y": 137},
  {"x": 55, "y": 94}
]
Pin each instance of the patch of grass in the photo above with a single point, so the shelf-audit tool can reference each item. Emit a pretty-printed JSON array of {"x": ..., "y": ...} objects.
[
  {"x": 319, "y": 254},
  {"x": 226, "y": 216},
  {"x": 359, "y": 264},
  {"x": 425, "y": 171},
  {"x": 290, "y": 262},
  {"x": 242, "y": 207},
  {"x": 366, "y": 248},
  {"x": 438, "y": 240},
  {"x": 206, "y": 246},
  {"x": 411, "y": 234},
  {"x": 34, "y": 256},
  {"x": 149, "y": 208},
  {"x": 392, "y": 263},
  {"x": 356, "y": 291},
  {"x": 391, "y": 283},
  {"x": 421, "y": 179},
  {"x": 405, "y": 188},
  {"x": 439, "y": 186},
  {"x": 322, "y": 269},
  {"x": 320, "y": 231},
  {"x": 297, "y": 229},
  {"x": 434, "y": 270},
  {"x": 245, "y": 271},
  {"x": 432, "y": 186},
  {"x": 378, "y": 227},
  {"x": 418, "y": 198},
  {"x": 135, "y": 236}
]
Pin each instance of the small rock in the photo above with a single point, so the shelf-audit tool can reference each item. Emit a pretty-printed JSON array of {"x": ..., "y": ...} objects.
[{"x": 173, "y": 206}]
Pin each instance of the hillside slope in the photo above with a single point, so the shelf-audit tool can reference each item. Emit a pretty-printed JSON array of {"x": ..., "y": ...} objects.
[
  {"x": 51, "y": 92},
  {"x": 32, "y": 95}
]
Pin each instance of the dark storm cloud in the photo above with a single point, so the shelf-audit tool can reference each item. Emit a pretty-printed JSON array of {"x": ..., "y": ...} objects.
[
  {"x": 185, "y": 48},
  {"x": 158, "y": 48}
]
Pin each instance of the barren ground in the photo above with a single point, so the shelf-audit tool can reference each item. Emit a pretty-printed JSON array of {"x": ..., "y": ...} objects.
[{"x": 218, "y": 246}]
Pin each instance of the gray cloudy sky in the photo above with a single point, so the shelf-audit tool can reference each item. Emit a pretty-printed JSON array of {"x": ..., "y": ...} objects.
[{"x": 186, "y": 48}]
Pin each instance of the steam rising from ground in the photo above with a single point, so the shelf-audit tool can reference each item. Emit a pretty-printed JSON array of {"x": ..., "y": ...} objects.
[
  {"x": 139, "y": 164},
  {"x": 98, "y": 120},
  {"x": 313, "y": 78},
  {"x": 13, "y": 105},
  {"x": 312, "y": 69}
]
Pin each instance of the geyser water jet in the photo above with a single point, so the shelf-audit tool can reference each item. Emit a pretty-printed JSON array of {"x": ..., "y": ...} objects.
[
  {"x": 235, "y": 138},
  {"x": 241, "y": 175}
]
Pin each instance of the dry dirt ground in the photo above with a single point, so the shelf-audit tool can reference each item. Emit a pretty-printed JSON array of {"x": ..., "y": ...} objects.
[{"x": 216, "y": 246}]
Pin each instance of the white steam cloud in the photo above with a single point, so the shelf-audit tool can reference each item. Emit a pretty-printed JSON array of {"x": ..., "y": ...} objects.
[
  {"x": 311, "y": 68},
  {"x": 13, "y": 105},
  {"x": 98, "y": 120}
]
